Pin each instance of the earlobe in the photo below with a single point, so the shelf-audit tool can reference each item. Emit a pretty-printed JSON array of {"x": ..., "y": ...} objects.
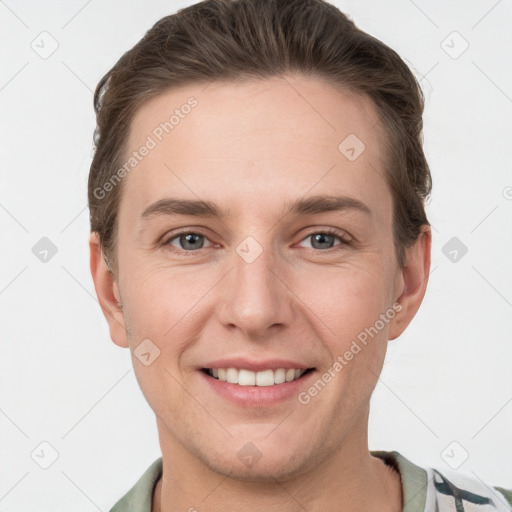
[
  {"x": 413, "y": 282},
  {"x": 107, "y": 292}
]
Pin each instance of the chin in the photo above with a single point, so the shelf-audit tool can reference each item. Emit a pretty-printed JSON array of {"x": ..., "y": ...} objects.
[
  {"x": 261, "y": 472},
  {"x": 259, "y": 461}
]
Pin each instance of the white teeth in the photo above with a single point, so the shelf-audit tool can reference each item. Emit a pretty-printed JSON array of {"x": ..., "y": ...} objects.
[
  {"x": 232, "y": 375},
  {"x": 250, "y": 378},
  {"x": 246, "y": 378},
  {"x": 279, "y": 376},
  {"x": 265, "y": 378}
]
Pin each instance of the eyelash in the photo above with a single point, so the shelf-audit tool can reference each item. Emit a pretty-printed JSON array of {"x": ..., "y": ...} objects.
[{"x": 344, "y": 240}]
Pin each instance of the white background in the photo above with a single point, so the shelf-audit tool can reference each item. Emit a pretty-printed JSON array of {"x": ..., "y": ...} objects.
[{"x": 63, "y": 381}]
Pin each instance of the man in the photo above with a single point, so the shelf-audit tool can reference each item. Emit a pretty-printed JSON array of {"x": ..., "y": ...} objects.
[{"x": 234, "y": 141}]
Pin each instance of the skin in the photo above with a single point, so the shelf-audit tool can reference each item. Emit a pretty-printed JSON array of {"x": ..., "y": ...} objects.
[{"x": 251, "y": 147}]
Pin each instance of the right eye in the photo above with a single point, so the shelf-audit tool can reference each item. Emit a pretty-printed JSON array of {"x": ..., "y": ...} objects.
[{"x": 189, "y": 241}]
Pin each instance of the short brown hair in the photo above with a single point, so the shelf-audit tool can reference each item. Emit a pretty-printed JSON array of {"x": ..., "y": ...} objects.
[{"x": 229, "y": 39}]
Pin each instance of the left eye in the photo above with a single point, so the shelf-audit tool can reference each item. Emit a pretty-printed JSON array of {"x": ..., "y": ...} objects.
[
  {"x": 325, "y": 237},
  {"x": 190, "y": 241}
]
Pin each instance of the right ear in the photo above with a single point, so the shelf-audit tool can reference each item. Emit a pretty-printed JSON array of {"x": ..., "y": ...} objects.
[{"x": 107, "y": 291}]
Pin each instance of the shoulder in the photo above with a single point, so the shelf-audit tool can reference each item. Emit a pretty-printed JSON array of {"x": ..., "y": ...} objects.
[
  {"x": 432, "y": 490},
  {"x": 139, "y": 497},
  {"x": 467, "y": 493}
]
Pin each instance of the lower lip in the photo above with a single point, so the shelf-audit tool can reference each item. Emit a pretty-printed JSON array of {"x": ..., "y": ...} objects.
[{"x": 257, "y": 396}]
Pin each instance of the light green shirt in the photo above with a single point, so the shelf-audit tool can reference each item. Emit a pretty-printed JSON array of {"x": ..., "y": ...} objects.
[{"x": 423, "y": 490}]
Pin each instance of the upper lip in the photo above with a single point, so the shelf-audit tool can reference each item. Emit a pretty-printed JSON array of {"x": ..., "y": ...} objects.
[{"x": 255, "y": 366}]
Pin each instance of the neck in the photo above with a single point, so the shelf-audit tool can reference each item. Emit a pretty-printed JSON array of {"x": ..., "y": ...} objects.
[{"x": 351, "y": 479}]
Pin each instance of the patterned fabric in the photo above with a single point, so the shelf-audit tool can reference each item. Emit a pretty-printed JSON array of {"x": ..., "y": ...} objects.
[
  {"x": 459, "y": 493},
  {"x": 423, "y": 489}
]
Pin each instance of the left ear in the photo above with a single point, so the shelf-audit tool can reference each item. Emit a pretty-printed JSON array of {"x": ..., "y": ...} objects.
[{"x": 413, "y": 280}]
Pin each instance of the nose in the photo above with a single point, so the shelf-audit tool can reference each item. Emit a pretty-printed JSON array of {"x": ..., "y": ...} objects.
[{"x": 255, "y": 297}]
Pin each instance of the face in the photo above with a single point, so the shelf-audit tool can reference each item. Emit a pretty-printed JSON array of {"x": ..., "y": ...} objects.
[{"x": 287, "y": 273}]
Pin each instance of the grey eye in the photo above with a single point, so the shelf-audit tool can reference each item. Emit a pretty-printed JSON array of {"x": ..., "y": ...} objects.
[{"x": 319, "y": 240}]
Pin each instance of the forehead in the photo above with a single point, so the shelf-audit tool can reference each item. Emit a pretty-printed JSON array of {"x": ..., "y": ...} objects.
[{"x": 253, "y": 142}]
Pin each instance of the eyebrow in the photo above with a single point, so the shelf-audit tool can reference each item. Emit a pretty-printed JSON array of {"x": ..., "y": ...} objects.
[{"x": 313, "y": 205}]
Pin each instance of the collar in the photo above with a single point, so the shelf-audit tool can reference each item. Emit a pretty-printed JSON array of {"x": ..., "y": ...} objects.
[{"x": 414, "y": 484}]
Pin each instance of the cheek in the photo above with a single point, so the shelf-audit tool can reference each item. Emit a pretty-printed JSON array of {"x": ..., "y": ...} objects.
[
  {"x": 164, "y": 305},
  {"x": 162, "y": 317},
  {"x": 349, "y": 299},
  {"x": 353, "y": 311}
]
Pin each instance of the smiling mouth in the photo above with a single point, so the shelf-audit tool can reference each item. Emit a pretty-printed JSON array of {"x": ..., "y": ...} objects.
[{"x": 244, "y": 377}]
